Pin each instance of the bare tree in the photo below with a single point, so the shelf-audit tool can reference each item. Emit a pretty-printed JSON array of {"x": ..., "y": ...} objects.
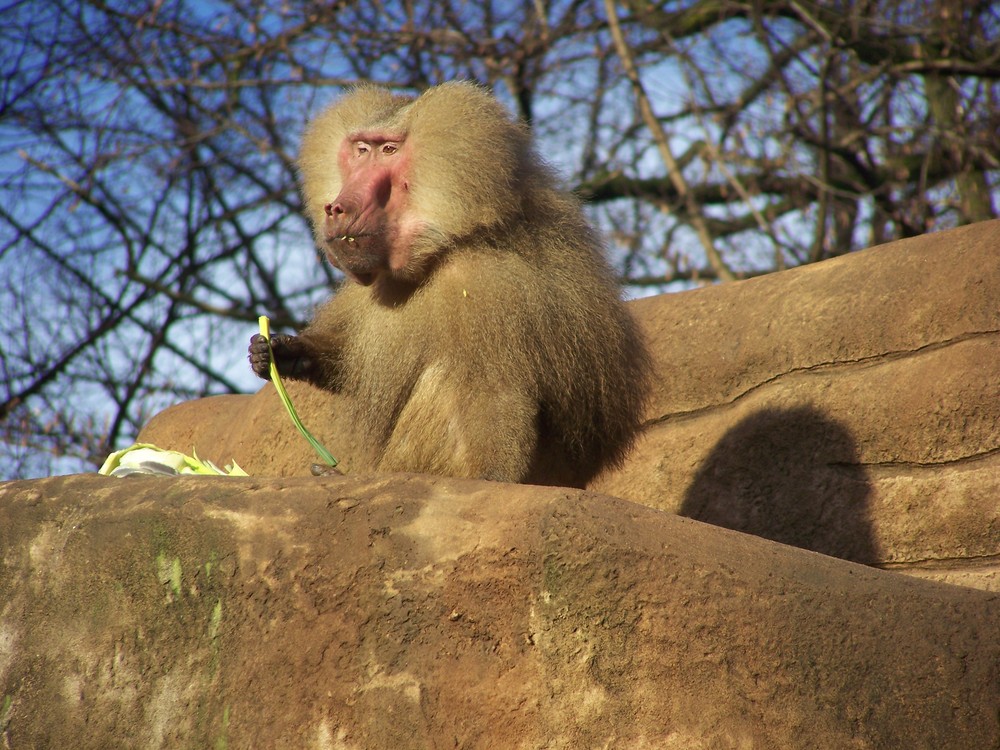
[{"x": 148, "y": 198}]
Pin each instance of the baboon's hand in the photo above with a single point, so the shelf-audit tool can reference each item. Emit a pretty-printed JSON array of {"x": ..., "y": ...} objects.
[{"x": 285, "y": 356}]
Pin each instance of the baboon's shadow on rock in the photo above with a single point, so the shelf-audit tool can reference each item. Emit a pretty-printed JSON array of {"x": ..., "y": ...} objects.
[{"x": 790, "y": 475}]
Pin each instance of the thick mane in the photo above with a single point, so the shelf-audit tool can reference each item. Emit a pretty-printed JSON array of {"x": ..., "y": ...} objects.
[
  {"x": 480, "y": 332},
  {"x": 446, "y": 177}
]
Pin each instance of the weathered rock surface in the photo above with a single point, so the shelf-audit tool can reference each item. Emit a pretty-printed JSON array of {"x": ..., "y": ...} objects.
[
  {"x": 413, "y": 612},
  {"x": 850, "y": 407}
]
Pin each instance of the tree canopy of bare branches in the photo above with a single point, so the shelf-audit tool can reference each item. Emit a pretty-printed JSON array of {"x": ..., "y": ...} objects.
[{"x": 148, "y": 202}]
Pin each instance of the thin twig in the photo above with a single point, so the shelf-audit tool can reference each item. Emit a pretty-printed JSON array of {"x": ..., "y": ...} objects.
[{"x": 663, "y": 146}]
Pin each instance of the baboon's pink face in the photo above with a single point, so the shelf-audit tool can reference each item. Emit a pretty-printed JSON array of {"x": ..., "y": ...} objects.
[{"x": 364, "y": 225}]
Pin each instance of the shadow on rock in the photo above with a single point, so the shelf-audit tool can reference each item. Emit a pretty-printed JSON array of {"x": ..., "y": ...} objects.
[{"x": 790, "y": 475}]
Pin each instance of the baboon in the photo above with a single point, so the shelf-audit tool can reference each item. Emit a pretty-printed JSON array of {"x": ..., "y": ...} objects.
[{"x": 480, "y": 332}]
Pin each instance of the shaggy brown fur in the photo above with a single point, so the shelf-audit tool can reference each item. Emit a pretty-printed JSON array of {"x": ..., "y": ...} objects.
[{"x": 481, "y": 332}]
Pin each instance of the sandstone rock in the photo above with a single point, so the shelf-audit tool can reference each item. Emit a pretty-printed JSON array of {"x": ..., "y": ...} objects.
[
  {"x": 850, "y": 407},
  {"x": 413, "y": 611}
]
